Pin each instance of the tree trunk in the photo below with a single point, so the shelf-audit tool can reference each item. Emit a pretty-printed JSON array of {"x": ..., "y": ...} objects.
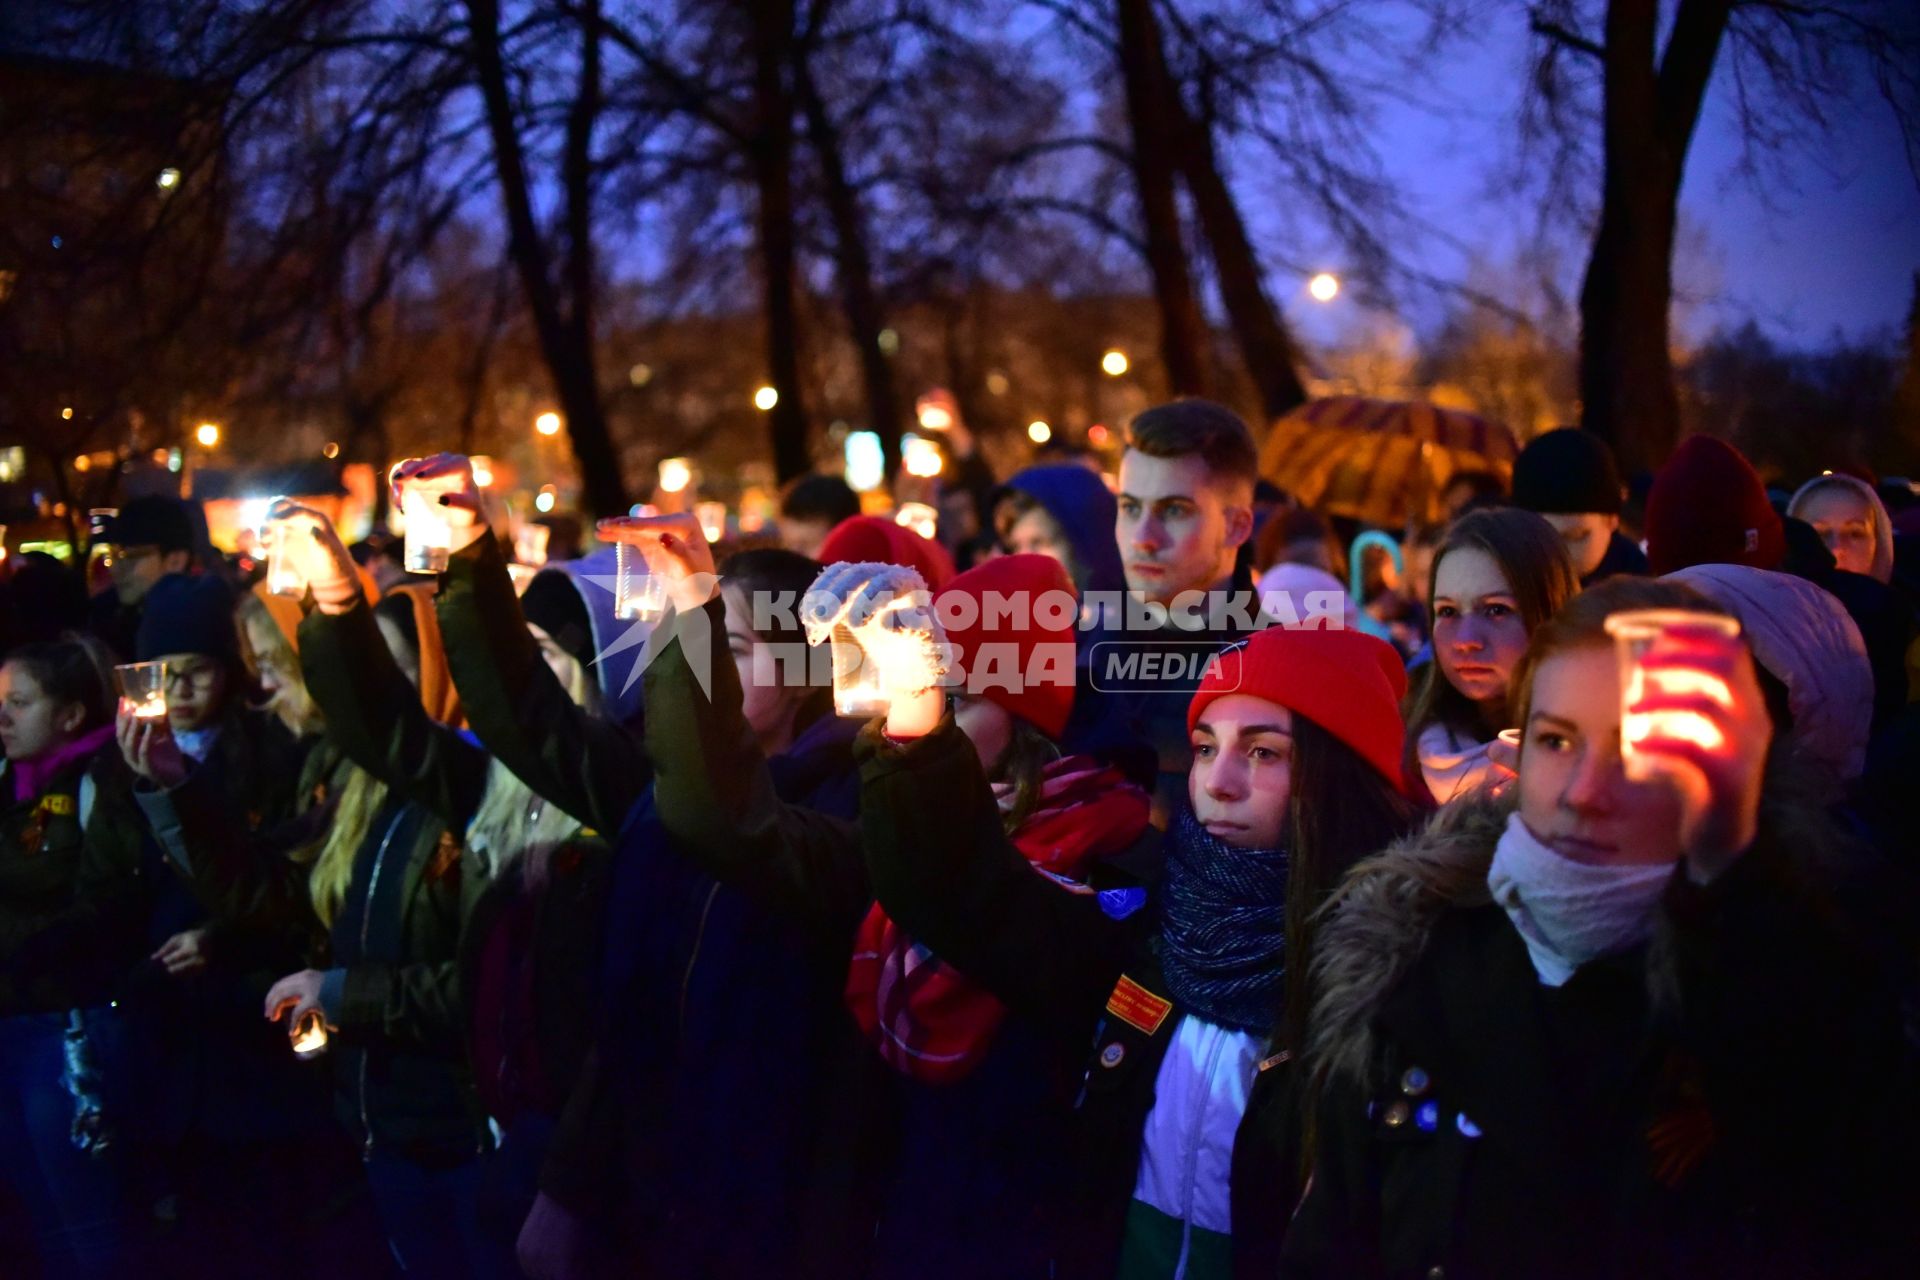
[
  {"x": 865, "y": 318},
  {"x": 1183, "y": 337},
  {"x": 771, "y": 152},
  {"x": 1626, "y": 362},
  {"x": 565, "y": 336},
  {"x": 1272, "y": 359}
]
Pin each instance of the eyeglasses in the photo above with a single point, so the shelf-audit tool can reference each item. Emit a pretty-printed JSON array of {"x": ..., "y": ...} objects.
[{"x": 198, "y": 677}]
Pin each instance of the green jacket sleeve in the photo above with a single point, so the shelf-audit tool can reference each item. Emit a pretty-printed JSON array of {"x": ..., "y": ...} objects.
[
  {"x": 376, "y": 719},
  {"x": 948, "y": 875},
  {"x": 592, "y": 768},
  {"x": 716, "y": 798}
]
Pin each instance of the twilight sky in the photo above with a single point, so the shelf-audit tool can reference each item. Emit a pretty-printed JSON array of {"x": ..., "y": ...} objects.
[{"x": 1833, "y": 245}]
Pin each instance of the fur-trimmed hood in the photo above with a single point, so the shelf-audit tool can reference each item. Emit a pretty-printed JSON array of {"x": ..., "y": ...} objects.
[{"x": 1377, "y": 924}]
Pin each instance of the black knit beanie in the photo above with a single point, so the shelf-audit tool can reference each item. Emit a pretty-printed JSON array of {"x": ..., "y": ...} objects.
[
  {"x": 552, "y": 603},
  {"x": 1568, "y": 471},
  {"x": 187, "y": 613}
]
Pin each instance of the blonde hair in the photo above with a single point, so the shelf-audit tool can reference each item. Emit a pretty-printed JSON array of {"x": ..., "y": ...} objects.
[
  {"x": 331, "y": 869},
  {"x": 511, "y": 820},
  {"x": 264, "y": 646}
]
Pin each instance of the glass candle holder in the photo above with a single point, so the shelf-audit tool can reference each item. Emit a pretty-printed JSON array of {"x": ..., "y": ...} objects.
[
  {"x": 713, "y": 519},
  {"x": 309, "y": 1035},
  {"x": 857, "y": 691},
  {"x": 144, "y": 687},
  {"x": 428, "y": 538},
  {"x": 1634, "y": 634},
  {"x": 638, "y": 593},
  {"x": 283, "y": 575}
]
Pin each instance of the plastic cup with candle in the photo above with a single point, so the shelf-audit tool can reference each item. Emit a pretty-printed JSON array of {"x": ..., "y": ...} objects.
[
  {"x": 1635, "y": 634},
  {"x": 309, "y": 1035},
  {"x": 283, "y": 575},
  {"x": 858, "y": 693},
  {"x": 713, "y": 519},
  {"x": 143, "y": 686},
  {"x": 427, "y": 537},
  {"x": 639, "y": 594}
]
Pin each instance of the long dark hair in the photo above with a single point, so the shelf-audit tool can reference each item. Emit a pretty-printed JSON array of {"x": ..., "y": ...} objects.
[
  {"x": 1535, "y": 563},
  {"x": 72, "y": 671},
  {"x": 1342, "y": 810}
]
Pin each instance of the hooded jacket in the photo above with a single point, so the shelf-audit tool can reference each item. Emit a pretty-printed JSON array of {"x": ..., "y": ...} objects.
[
  {"x": 1084, "y": 508},
  {"x": 1803, "y": 637},
  {"x": 1730, "y": 1098},
  {"x": 1881, "y": 570}
]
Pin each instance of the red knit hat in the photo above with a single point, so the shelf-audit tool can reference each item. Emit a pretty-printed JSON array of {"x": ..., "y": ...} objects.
[
  {"x": 1347, "y": 682},
  {"x": 1026, "y": 581},
  {"x": 876, "y": 540},
  {"x": 1708, "y": 506}
]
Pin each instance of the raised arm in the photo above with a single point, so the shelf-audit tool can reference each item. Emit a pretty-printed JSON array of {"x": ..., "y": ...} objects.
[
  {"x": 946, "y": 873},
  {"x": 711, "y": 784},
  {"x": 592, "y": 768}
]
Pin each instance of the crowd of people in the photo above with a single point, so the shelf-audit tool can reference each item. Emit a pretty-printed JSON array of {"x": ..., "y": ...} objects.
[{"x": 463, "y": 924}]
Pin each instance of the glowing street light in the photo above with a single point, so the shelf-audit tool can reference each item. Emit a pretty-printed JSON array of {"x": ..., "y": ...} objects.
[
  {"x": 543, "y": 501},
  {"x": 1114, "y": 364},
  {"x": 167, "y": 179},
  {"x": 66, "y": 413},
  {"x": 208, "y": 434},
  {"x": 1039, "y": 432},
  {"x": 547, "y": 424},
  {"x": 765, "y": 398},
  {"x": 675, "y": 474},
  {"x": 1324, "y": 287}
]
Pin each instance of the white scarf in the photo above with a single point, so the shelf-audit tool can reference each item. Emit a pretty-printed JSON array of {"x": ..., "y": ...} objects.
[{"x": 1571, "y": 912}]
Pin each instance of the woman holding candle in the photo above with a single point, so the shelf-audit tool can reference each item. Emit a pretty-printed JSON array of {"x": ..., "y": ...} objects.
[
  {"x": 1497, "y": 576},
  {"x": 1608, "y": 1026},
  {"x": 69, "y": 896}
]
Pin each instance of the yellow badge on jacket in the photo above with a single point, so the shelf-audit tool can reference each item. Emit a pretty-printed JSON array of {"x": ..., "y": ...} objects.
[{"x": 1138, "y": 1007}]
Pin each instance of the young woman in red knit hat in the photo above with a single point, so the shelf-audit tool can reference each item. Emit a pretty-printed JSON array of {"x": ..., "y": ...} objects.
[
  {"x": 956, "y": 1108},
  {"x": 1184, "y": 991}
]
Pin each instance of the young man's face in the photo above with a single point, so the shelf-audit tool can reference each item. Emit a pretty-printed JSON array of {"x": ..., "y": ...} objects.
[
  {"x": 1177, "y": 530},
  {"x": 136, "y": 569}
]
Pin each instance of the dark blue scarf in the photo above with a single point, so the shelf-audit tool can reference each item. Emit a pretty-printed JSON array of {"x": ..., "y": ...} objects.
[{"x": 1223, "y": 927}]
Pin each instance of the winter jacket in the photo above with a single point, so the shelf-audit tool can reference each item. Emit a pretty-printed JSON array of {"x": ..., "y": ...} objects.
[
  {"x": 1733, "y": 1097},
  {"x": 71, "y": 896},
  {"x": 1084, "y": 966},
  {"x": 962, "y": 1180},
  {"x": 217, "y": 861}
]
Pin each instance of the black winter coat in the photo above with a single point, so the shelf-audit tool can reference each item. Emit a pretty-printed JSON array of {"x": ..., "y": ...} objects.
[{"x": 1734, "y": 1098}]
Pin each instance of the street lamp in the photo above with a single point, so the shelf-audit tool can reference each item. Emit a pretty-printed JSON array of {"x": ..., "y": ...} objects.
[
  {"x": 1114, "y": 363},
  {"x": 765, "y": 398},
  {"x": 1324, "y": 287},
  {"x": 208, "y": 434},
  {"x": 167, "y": 179},
  {"x": 675, "y": 474},
  {"x": 1039, "y": 432},
  {"x": 547, "y": 424}
]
